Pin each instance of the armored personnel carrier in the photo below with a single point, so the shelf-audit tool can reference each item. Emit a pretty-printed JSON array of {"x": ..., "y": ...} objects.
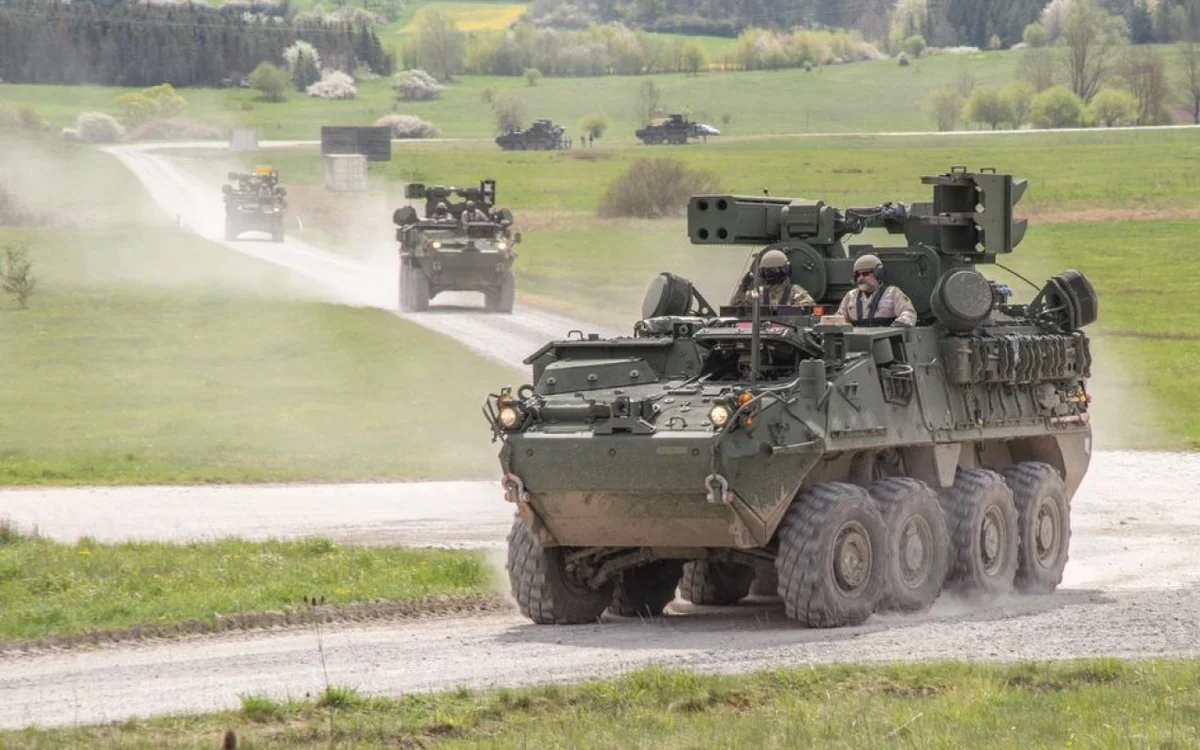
[
  {"x": 541, "y": 135},
  {"x": 464, "y": 245},
  {"x": 846, "y": 468},
  {"x": 673, "y": 129},
  {"x": 255, "y": 202}
]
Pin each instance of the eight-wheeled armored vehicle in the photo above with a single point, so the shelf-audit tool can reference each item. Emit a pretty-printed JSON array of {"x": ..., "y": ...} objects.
[
  {"x": 255, "y": 202},
  {"x": 673, "y": 129},
  {"x": 846, "y": 468},
  {"x": 464, "y": 245},
  {"x": 541, "y": 135}
]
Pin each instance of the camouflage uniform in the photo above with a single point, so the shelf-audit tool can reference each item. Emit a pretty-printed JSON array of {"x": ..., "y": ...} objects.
[
  {"x": 893, "y": 308},
  {"x": 772, "y": 294}
]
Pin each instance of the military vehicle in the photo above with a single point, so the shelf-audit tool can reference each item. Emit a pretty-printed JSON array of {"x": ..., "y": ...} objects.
[
  {"x": 541, "y": 135},
  {"x": 450, "y": 250},
  {"x": 256, "y": 202},
  {"x": 673, "y": 129},
  {"x": 850, "y": 469}
]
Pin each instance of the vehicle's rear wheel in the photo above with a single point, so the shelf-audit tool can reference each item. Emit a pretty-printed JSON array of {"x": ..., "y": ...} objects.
[
  {"x": 832, "y": 556},
  {"x": 544, "y": 591},
  {"x": 982, "y": 522},
  {"x": 1044, "y": 525},
  {"x": 918, "y": 543},
  {"x": 502, "y": 299},
  {"x": 715, "y": 583},
  {"x": 230, "y": 231},
  {"x": 646, "y": 590},
  {"x": 766, "y": 583},
  {"x": 277, "y": 233}
]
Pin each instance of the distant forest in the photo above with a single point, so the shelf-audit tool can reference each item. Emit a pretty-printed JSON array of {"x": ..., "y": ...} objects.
[
  {"x": 945, "y": 23},
  {"x": 131, "y": 44}
]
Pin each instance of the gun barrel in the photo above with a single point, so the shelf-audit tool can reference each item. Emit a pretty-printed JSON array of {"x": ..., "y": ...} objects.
[{"x": 735, "y": 219}]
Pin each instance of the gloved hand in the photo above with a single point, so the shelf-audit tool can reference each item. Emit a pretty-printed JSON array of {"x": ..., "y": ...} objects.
[{"x": 747, "y": 280}]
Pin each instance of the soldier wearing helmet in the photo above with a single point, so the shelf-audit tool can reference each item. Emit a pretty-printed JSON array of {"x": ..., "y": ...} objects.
[
  {"x": 874, "y": 303},
  {"x": 776, "y": 287},
  {"x": 472, "y": 213},
  {"x": 441, "y": 212}
]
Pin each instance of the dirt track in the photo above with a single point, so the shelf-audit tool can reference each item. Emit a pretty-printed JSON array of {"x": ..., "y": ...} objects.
[{"x": 1130, "y": 590}]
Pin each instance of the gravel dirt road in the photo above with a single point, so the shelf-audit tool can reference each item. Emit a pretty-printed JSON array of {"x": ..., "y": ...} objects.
[{"x": 1130, "y": 590}]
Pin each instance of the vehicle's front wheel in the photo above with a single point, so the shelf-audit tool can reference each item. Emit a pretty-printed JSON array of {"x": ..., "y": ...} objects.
[
  {"x": 545, "y": 592},
  {"x": 832, "y": 557},
  {"x": 982, "y": 521}
]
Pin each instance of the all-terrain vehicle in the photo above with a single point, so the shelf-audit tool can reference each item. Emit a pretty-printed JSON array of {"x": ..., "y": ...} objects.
[
  {"x": 256, "y": 202},
  {"x": 673, "y": 129},
  {"x": 541, "y": 135},
  {"x": 457, "y": 246},
  {"x": 846, "y": 468}
]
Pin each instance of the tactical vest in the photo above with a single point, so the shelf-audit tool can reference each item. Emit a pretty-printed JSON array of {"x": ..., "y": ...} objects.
[{"x": 870, "y": 320}]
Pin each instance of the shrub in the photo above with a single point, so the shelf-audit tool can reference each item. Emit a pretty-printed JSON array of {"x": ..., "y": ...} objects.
[
  {"x": 95, "y": 127},
  {"x": 29, "y": 118},
  {"x": 532, "y": 76},
  {"x": 15, "y": 277},
  {"x": 156, "y": 102},
  {"x": 914, "y": 45},
  {"x": 1114, "y": 107},
  {"x": 990, "y": 106},
  {"x": 509, "y": 115},
  {"x": 408, "y": 126},
  {"x": 417, "y": 85},
  {"x": 944, "y": 105},
  {"x": 655, "y": 187},
  {"x": 1057, "y": 107},
  {"x": 1020, "y": 96},
  {"x": 1034, "y": 35},
  {"x": 487, "y": 96},
  {"x": 902, "y": 59},
  {"x": 270, "y": 80},
  {"x": 334, "y": 84},
  {"x": 174, "y": 128}
]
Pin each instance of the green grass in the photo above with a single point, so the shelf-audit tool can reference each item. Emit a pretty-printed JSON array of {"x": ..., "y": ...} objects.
[
  {"x": 868, "y": 96},
  {"x": 52, "y": 588},
  {"x": 149, "y": 355},
  {"x": 1092, "y": 704}
]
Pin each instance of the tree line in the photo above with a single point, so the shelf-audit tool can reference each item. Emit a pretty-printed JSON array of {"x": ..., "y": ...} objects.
[{"x": 131, "y": 44}]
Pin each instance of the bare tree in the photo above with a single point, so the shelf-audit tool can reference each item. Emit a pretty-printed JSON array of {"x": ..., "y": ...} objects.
[
  {"x": 1092, "y": 37},
  {"x": 1040, "y": 67},
  {"x": 1146, "y": 75},
  {"x": 649, "y": 101},
  {"x": 1189, "y": 60}
]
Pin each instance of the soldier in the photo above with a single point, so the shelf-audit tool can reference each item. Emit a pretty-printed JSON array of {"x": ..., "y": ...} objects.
[
  {"x": 775, "y": 271},
  {"x": 874, "y": 303},
  {"x": 472, "y": 213},
  {"x": 441, "y": 213}
]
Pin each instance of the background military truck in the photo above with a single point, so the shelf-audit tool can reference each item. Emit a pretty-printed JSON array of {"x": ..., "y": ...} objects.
[
  {"x": 455, "y": 252},
  {"x": 541, "y": 135},
  {"x": 673, "y": 129},
  {"x": 255, "y": 202},
  {"x": 847, "y": 468}
]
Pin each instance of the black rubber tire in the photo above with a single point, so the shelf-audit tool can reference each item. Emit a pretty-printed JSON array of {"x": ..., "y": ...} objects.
[
  {"x": 230, "y": 231},
  {"x": 809, "y": 538},
  {"x": 646, "y": 590},
  {"x": 420, "y": 290},
  {"x": 981, "y": 496},
  {"x": 915, "y": 524},
  {"x": 543, "y": 591},
  {"x": 507, "y": 293},
  {"x": 1040, "y": 497},
  {"x": 715, "y": 583},
  {"x": 406, "y": 274}
]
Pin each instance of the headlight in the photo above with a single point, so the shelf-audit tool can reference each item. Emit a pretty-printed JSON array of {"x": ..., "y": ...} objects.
[
  {"x": 509, "y": 417},
  {"x": 502, "y": 245},
  {"x": 719, "y": 415},
  {"x": 435, "y": 244}
]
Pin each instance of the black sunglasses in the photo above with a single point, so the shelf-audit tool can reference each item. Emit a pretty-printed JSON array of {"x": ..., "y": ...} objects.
[{"x": 863, "y": 273}]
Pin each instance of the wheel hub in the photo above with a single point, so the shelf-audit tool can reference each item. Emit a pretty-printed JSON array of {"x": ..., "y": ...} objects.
[
  {"x": 993, "y": 536},
  {"x": 852, "y": 558},
  {"x": 916, "y": 550},
  {"x": 1046, "y": 532}
]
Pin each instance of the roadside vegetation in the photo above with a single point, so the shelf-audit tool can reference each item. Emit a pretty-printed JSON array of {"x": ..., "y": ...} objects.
[
  {"x": 1095, "y": 704},
  {"x": 50, "y": 588}
]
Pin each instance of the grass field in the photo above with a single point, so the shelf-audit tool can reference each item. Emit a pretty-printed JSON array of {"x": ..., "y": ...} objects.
[
  {"x": 868, "y": 96},
  {"x": 149, "y": 355},
  {"x": 1120, "y": 206},
  {"x": 63, "y": 589},
  {"x": 1089, "y": 704},
  {"x": 471, "y": 16}
]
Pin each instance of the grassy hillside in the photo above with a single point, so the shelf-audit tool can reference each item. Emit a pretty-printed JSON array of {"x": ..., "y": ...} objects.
[{"x": 149, "y": 355}]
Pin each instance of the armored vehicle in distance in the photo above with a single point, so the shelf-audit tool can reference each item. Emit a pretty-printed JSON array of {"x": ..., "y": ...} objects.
[
  {"x": 255, "y": 202},
  {"x": 847, "y": 468},
  {"x": 673, "y": 129},
  {"x": 464, "y": 245},
  {"x": 541, "y": 135}
]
